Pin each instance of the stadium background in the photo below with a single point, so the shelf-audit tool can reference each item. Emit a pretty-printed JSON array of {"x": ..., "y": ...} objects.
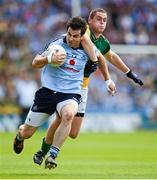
[{"x": 27, "y": 25}]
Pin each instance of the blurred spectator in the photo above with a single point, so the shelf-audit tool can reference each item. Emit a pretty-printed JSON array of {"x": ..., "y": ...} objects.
[{"x": 25, "y": 88}]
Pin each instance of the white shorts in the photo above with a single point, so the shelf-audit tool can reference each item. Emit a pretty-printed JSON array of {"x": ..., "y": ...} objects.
[
  {"x": 83, "y": 103},
  {"x": 36, "y": 119}
]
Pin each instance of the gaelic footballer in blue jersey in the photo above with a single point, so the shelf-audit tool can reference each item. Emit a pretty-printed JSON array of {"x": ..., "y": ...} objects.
[
  {"x": 97, "y": 23},
  {"x": 60, "y": 91}
]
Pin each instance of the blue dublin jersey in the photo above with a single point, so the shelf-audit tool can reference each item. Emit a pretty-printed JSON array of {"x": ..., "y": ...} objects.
[{"x": 68, "y": 77}]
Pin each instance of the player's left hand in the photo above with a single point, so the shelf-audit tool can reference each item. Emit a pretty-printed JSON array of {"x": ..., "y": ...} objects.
[
  {"x": 134, "y": 77},
  {"x": 111, "y": 87}
]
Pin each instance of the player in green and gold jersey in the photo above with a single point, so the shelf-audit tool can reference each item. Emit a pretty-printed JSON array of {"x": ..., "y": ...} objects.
[{"x": 97, "y": 24}]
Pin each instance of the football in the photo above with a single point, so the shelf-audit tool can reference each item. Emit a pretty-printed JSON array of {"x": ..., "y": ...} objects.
[{"x": 55, "y": 48}]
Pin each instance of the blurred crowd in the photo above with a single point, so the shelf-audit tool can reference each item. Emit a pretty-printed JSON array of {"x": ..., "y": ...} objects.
[
  {"x": 130, "y": 21},
  {"x": 130, "y": 97},
  {"x": 27, "y": 25}
]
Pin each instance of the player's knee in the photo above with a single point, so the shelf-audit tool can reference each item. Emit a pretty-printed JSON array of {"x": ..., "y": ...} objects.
[
  {"x": 21, "y": 127},
  {"x": 73, "y": 135},
  {"x": 26, "y": 132},
  {"x": 68, "y": 116}
]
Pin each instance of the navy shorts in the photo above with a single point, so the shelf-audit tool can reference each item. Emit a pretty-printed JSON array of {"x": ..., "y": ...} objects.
[{"x": 46, "y": 100}]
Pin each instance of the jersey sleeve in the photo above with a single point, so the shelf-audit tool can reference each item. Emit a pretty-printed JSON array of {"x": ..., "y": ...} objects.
[{"x": 106, "y": 47}]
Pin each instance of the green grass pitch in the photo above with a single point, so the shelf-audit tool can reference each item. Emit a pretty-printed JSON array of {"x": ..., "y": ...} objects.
[{"x": 90, "y": 156}]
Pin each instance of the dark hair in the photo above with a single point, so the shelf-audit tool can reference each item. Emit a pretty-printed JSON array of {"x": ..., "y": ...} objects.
[
  {"x": 77, "y": 23},
  {"x": 94, "y": 11}
]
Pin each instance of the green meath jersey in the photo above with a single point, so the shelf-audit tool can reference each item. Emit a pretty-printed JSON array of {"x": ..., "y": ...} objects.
[{"x": 101, "y": 43}]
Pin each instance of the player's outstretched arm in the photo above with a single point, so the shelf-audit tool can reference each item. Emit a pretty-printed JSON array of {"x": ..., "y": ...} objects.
[{"x": 115, "y": 60}]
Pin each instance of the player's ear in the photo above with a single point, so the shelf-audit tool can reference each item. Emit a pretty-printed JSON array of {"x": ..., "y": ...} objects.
[{"x": 89, "y": 20}]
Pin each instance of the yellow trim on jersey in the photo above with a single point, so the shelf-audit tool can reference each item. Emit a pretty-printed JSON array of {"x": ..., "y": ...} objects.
[
  {"x": 85, "y": 82},
  {"x": 88, "y": 31},
  {"x": 107, "y": 55}
]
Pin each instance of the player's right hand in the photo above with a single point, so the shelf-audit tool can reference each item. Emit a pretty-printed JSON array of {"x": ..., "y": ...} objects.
[
  {"x": 111, "y": 87},
  {"x": 58, "y": 58}
]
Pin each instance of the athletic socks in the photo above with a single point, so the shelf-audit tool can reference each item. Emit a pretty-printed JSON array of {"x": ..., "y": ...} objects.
[
  {"x": 45, "y": 147},
  {"x": 48, "y": 148},
  {"x": 18, "y": 137},
  {"x": 54, "y": 151}
]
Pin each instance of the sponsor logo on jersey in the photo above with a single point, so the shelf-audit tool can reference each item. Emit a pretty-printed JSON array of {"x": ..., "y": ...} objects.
[{"x": 70, "y": 69}]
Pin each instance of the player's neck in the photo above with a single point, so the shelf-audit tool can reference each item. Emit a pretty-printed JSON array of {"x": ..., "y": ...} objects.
[{"x": 97, "y": 35}]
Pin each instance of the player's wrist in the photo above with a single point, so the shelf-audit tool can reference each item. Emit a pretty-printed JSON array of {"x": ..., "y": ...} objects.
[
  {"x": 107, "y": 82},
  {"x": 129, "y": 70}
]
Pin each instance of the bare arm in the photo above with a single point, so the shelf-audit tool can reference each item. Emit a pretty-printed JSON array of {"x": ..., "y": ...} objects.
[
  {"x": 88, "y": 47},
  {"x": 56, "y": 58},
  {"x": 39, "y": 61},
  {"x": 114, "y": 59},
  {"x": 103, "y": 67},
  {"x": 111, "y": 87}
]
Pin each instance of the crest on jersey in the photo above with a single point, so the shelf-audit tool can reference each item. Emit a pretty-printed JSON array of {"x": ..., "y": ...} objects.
[{"x": 72, "y": 61}]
